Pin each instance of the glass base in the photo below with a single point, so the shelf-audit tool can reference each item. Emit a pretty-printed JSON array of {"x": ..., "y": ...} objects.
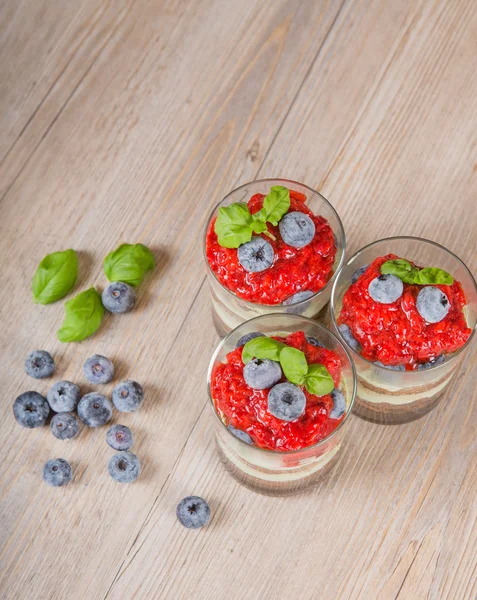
[
  {"x": 277, "y": 488},
  {"x": 223, "y": 329},
  {"x": 387, "y": 414}
]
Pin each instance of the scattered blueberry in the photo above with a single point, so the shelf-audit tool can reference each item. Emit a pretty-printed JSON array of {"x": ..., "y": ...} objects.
[
  {"x": 241, "y": 435},
  {"x": 339, "y": 404},
  {"x": 431, "y": 363},
  {"x": 286, "y": 401},
  {"x": 128, "y": 396},
  {"x": 349, "y": 338},
  {"x": 95, "y": 409},
  {"x": 261, "y": 374},
  {"x": 193, "y": 512},
  {"x": 124, "y": 467},
  {"x": 256, "y": 256},
  {"x": 119, "y": 437},
  {"x": 31, "y": 410},
  {"x": 298, "y": 297},
  {"x": 313, "y": 341},
  {"x": 64, "y": 426},
  {"x": 386, "y": 289},
  {"x": 63, "y": 396},
  {"x": 57, "y": 472},
  {"x": 357, "y": 274},
  {"x": 432, "y": 304},
  {"x": 39, "y": 364},
  {"x": 118, "y": 297},
  {"x": 98, "y": 369},
  {"x": 391, "y": 367},
  {"x": 247, "y": 337},
  {"x": 297, "y": 229}
]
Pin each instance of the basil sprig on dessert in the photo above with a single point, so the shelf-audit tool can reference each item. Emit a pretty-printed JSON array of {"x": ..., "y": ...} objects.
[
  {"x": 315, "y": 377},
  {"x": 129, "y": 264},
  {"x": 235, "y": 225},
  {"x": 55, "y": 276},
  {"x": 407, "y": 273}
]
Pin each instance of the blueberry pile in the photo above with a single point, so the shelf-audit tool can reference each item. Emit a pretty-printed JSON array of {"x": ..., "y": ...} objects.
[{"x": 95, "y": 409}]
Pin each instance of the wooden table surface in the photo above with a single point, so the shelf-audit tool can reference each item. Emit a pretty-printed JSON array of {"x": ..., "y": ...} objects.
[{"x": 126, "y": 121}]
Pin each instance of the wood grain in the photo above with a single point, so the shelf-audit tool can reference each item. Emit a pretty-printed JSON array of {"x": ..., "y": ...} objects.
[{"x": 127, "y": 121}]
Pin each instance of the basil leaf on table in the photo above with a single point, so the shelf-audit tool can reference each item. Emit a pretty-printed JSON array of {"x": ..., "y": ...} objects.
[
  {"x": 433, "y": 276},
  {"x": 55, "y": 276},
  {"x": 318, "y": 380},
  {"x": 262, "y": 347},
  {"x": 275, "y": 205},
  {"x": 83, "y": 316},
  {"x": 294, "y": 365},
  {"x": 129, "y": 263}
]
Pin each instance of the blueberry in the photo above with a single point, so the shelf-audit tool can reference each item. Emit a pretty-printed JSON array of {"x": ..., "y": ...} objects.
[
  {"x": 431, "y": 363},
  {"x": 63, "y": 396},
  {"x": 31, "y": 410},
  {"x": 118, "y": 297},
  {"x": 124, "y": 467},
  {"x": 339, "y": 404},
  {"x": 432, "y": 304},
  {"x": 349, "y": 338},
  {"x": 357, "y": 274},
  {"x": 260, "y": 374},
  {"x": 64, "y": 426},
  {"x": 391, "y": 367},
  {"x": 297, "y": 229},
  {"x": 313, "y": 341},
  {"x": 241, "y": 435},
  {"x": 39, "y": 364},
  {"x": 119, "y": 437},
  {"x": 256, "y": 255},
  {"x": 98, "y": 369},
  {"x": 128, "y": 396},
  {"x": 57, "y": 472},
  {"x": 247, "y": 337},
  {"x": 286, "y": 401},
  {"x": 193, "y": 512},
  {"x": 298, "y": 297},
  {"x": 386, "y": 289},
  {"x": 95, "y": 409}
]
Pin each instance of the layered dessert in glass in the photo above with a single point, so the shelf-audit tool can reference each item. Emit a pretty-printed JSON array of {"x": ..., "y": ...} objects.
[
  {"x": 281, "y": 388},
  {"x": 272, "y": 245},
  {"x": 406, "y": 308}
]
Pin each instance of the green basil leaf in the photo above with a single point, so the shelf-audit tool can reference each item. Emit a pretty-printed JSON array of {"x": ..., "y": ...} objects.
[
  {"x": 294, "y": 365},
  {"x": 129, "y": 263},
  {"x": 83, "y": 316},
  {"x": 318, "y": 380},
  {"x": 262, "y": 347},
  {"x": 276, "y": 204},
  {"x": 397, "y": 267},
  {"x": 233, "y": 225},
  {"x": 433, "y": 275},
  {"x": 55, "y": 276},
  {"x": 258, "y": 226}
]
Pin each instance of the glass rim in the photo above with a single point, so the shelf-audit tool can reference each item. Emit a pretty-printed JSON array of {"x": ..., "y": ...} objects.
[
  {"x": 297, "y": 318},
  {"x": 334, "y": 293},
  {"x": 274, "y": 306}
]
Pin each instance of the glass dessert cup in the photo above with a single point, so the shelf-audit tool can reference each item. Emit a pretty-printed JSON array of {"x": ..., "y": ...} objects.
[
  {"x": 274, "y": 472},
  {"x": 391, "y": 396},
  {"x": 228, "y": 309}
]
